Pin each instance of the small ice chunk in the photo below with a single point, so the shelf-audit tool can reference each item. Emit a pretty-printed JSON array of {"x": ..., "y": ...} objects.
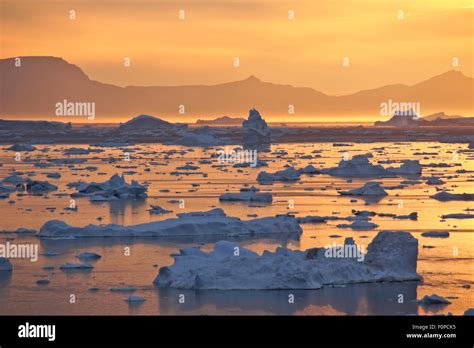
[
  {"x": 54, "y": 175},
  {"x": 436, "y": 234},
  {"x": 458, "y": 216},
  {"x": 156, "y": 209},
  {"x": 135, "y": 299},
  {"x": 433, "y": 300},
  {"x": 42, "y": 282},
  {"x": 123, "y": 289},
  {"x": 76, "y": 266},
  {"x": 251, "y": 194},
  {"x": 434, "y": 181},
  {"x": 21, "y": 148},
  {"x": 88, "y": 256}
]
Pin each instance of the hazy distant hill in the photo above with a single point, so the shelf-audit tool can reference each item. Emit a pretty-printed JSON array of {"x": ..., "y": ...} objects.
[
  {"x": 34, "y": 89},
  {"x": 439, "y": 119},
  {"x": 224, "y": 120},
  {"x": 442, "y": 116}
]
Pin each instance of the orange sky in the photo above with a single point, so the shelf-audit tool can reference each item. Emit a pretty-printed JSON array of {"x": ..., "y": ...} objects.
[{"x": 305, "y": 51}]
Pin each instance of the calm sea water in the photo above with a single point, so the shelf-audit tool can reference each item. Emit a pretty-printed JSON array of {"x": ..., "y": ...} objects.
[{"x": 446, "y": 264}]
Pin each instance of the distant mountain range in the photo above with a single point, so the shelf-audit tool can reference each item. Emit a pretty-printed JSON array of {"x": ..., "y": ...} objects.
[{"x": 33, "y": 90}]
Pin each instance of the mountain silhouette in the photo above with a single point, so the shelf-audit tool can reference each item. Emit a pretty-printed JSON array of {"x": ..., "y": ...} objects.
[{"x": 33, "y": 89}]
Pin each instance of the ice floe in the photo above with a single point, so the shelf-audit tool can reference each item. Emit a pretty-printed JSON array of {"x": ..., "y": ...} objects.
[
  {"x": 371, "y": 188},
  {"x": 446, "y": 196},
  {"x": 360, "y": 166},
  {"x": 187, "y": 166},
  {"x": 288, "y": 174},
  {"x": 80, "y": 151},
  {"x": 247, "y": 194},
  {"x": 457, "y": 216},
  {"x": 309, "y": 169},
  {"x": 135, "y": 299},
  {"x": 22, "y": 184},
  {"x": 203, "y": 136},
  {"x": 392, "y": 256},
  {"x": 53, "y": 175},
  {"x": 15, "y": 179},
  {"x": 21, "y": 148},
  {"x": 211, "y": 223},
  {"x": 411, "y": 216},
  {"x": 434, "y": 181},
  {"x": 357, "y": 166},
  {"x": 360, "y": 223},
  {"x": 34, "y": 186},
  {"x": 115, "y": 188},
  {"x": 69, "y": 266},
  {"x": 88, "y": 256},
  {"x": 436, "y": 234},
  {"x": 407, "y": 168},
  {"x": 156, "y": 209},
  {"x": 5, "y": 191}
]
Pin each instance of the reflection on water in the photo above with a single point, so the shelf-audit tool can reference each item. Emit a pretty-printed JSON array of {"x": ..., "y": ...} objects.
[
  {"x": 5, "y": 278},
  {"x": 118, "y": 209},
  {"x": 65, "y": 245},
  {"x": 355, "y": 299}
]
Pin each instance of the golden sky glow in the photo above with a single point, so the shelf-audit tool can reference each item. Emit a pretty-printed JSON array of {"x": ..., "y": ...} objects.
[{"x": 306, "y": 51}]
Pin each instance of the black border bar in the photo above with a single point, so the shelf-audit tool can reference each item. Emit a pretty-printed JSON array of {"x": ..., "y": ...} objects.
[{"x": 261, "y": 330}]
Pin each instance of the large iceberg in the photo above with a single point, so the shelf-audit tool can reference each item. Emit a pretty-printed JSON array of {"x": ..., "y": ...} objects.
[
  {"x": 256, "y": 133},
  {"x": 116, "y": 187},
  {"x": 392, "y": 256},
  {"x": 211, "y": 223}
]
